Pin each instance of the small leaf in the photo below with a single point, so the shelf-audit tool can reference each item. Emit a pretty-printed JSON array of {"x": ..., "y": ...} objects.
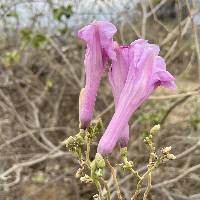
[
  {"x": 11, "y": 58},
  {"x": 58, "y": 13},
  {"x": 12, "y": 14},
  {"x": 38, "y": 40},
  {"x": 145, "y": 134},
  {"x": 62, "y": 31},
  {"x": 195, "y": 121},
  {"x": 26, "y": 35},
  {"x": 67, "y": 11}
]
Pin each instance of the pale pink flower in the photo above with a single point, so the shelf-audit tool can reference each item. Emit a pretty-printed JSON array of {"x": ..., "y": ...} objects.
[{"x": 146, "y": 71}]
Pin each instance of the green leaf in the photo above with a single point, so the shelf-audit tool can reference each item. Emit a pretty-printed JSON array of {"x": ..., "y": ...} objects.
[
  {"x": 67, "y": 12},
  {"x": 153, "y": 118},
  {"x": 145, "y": 134},
  {"x": 11, "y": 58},
  {"x": 58, "y": 13},
  {"x": 26, "y": 35},
  {"x": 12, "y": 14},
  {"x": 2, "y": 6},
  {"x": 62, "y": 31},
  {"x": 38, "y": 40},
  {"x": 194, "y": 122}
]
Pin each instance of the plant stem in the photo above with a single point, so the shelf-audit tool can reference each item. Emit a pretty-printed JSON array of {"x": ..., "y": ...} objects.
[
  {"x": 135, "y": 173},
  {"x": 107, "y": 188},
  {"x": 115, "y": 180},
  {"x": 148, "y": 187},
  {"x": 98, "y": 185},
  {"x": 151, "y": 167},
  {"x": 151, "y": 158},
  {"x": 88, "y": 151}
]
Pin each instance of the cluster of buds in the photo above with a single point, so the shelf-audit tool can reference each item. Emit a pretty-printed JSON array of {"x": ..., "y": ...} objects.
[
  {"x": 94, "y": 129},
  {"x": 167, "y": 155},
  {"x": 97, "y": 166},
  {"x": 86, "y": 179},
  {"x": 127, "y": 165},
  {"x": 75, "y": 143},
  {"x": 152, "y": 133}
]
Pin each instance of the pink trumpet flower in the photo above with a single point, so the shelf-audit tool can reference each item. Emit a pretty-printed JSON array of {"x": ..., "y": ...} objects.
[
  {"x": 98, "y": 37},
  {"x": 117, "y": 78},
  {"x": 146, "y": 71}
]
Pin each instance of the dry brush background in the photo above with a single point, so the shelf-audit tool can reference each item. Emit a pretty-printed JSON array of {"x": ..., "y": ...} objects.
[{"x": 41, "y": 74}]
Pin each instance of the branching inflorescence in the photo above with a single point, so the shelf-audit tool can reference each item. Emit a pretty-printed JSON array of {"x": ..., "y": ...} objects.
[{"x": 136, "y": 71}]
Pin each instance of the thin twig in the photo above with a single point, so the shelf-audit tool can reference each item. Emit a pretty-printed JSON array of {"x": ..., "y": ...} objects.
[{"x": 115, "y": 180}]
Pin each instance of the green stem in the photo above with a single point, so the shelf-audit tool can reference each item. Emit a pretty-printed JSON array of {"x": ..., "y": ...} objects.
[
  {"x": 107, "y": 188},
  {"x": 88, "y": 151},
  {"x": 147, "y": 173},
  {"x": 115, "y": 180},
  {"x": 135, "y": 173},
  {"x": 148, "y": 187},
  {"x": 98, "y": 185}
]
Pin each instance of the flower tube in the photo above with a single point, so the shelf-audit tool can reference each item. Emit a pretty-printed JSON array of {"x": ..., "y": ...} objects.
[
  {"x": 98, "y": 37},
  {"x": 117, "y": 78}
]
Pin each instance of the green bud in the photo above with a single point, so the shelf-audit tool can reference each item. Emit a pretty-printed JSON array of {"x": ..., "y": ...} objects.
[
  {"x": 100, "y": 163},
  {"x": 99, "y": 125},
  {"x": 155, "y": 129},
  {"x": 124, "y": 152},
  {"x": 82, "y": 133},
  {"x": 69, "y": 141},
  {"x": 93, "y": 168},
  {"x": 99, "y": 173},
  {"x": 93, "y": 165},
  {"x": 94, "y": 129},
  {"x": 128, "y": 165},
  {"x": 79, "y": 139}
]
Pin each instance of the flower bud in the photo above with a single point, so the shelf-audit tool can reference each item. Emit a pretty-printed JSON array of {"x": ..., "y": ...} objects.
[
  {"x": 79, "y": 139},
  {"x": 100, "y": 163},
  {"x": 124, "y": 152},
  {"x": 171, "y": 156},
  {"x": 155, "y": 129},
  {"x": 69, "y": 141},
  {"x": 86, "y": 179},
  {"x": 166, "y": 150}
]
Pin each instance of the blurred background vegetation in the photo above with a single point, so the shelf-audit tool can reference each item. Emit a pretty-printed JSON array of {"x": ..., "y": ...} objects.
[{"x": 42, "y": 72}]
